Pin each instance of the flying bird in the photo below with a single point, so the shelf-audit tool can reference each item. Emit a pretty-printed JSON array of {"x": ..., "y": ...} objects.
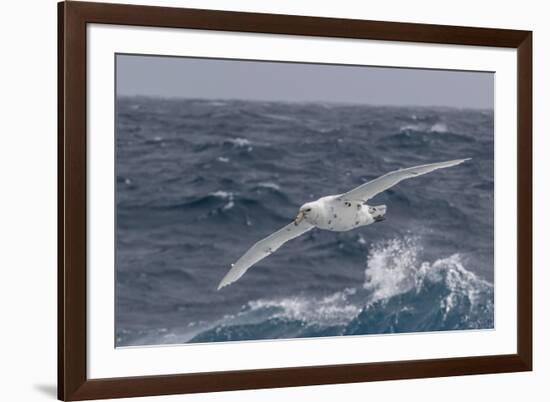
[{"x": 338, "y": 213}]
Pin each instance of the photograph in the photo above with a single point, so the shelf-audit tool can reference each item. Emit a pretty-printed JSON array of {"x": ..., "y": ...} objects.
[{"x": 259, "y": 200}]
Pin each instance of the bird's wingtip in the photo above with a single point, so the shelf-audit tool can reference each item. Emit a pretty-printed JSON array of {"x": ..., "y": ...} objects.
[
  {"x": 224, "y": 282},
  {"x": 459, "y": 161},
  {"x": 227, "y": 279}
]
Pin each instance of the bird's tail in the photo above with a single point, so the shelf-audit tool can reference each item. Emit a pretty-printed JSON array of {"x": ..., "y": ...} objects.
[{"x": 378, "y": 212}]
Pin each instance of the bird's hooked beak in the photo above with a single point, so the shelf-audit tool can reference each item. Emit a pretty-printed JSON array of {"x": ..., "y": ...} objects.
[{"x": 300, "y": 217}]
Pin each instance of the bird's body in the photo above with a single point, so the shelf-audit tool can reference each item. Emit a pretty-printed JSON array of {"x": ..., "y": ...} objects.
[
  {"x": 340, "y": 215},
  {"x": 337, "y": 213}
]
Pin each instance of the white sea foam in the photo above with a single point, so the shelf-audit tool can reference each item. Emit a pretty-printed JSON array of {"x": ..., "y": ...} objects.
[
  {"x": 390, "y": 268},
  {"x": 239, "y": 142},
  {"x": 268, "y": 184},
  {"x": 229, "y": 205},
  {"x": 334, "y": 309},
  {"x": 222, "y": 194},
  {"x": 410, "y": 127},
  {"x": 394, "y": 268},
  {"x": 226, "y": 195},
  {"x": 439, "y": 128}
]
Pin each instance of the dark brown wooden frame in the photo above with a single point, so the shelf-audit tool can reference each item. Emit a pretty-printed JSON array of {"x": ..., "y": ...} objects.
[{"x": 73, "y": 383}]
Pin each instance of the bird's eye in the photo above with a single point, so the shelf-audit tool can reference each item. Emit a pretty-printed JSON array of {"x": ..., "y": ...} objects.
[{"x": 309, "y": 209}]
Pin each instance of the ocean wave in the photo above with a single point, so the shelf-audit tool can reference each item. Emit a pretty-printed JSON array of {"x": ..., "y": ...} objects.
[
  {"x": 413, "y": 138},
  {"x": 238, "y": 142},
  {"x": 215, "y": 103},
  {"x": 400, "y": 293},
  {"x": 210, "y": 201},
  {"x": 438, "y": 127},
  {"x": 437, "y": 296},
  {"x": 390, "y": 268},
  {"x": 411, "y": 127},
  {"x": 270, "y": 185},
  {"x": 234, "y": 204},
  {"x": 219, "y": 177},
  {"x": 334, "y": 309},
  {"x": 225, "y": 195}
]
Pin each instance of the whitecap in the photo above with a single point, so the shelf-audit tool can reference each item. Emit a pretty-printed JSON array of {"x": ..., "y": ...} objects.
[
  {"x": 394, "y": 268},
  {"x": 229, "y": 205},
  {"x": 334, "y": 309},
  {"x": 439, "y": 128},
  {"x": 390, "y": 268},
  {"x": 410, "y": 127},
  {"x": 268, "y": 184},
  {"x": 226, "y": 195},
  {"x": 222, "y": 194},
  {"x": 239, "y": 142}
]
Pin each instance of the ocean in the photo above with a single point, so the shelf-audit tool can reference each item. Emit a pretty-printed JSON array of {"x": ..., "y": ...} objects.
[{"x": 200, "y": 181}]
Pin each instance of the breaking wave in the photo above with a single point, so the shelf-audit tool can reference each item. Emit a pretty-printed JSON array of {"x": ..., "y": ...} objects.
[{"x": 401, "y": 293}]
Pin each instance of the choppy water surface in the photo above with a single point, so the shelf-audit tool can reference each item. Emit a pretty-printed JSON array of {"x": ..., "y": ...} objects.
[{"x": 198, "y": 182}]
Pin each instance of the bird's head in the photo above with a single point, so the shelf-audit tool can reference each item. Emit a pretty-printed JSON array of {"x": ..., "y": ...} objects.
[{"x": 308, "y": 212}]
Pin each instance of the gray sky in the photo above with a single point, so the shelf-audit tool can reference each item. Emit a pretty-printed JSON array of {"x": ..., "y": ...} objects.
[{"x": 271, "y": 81}]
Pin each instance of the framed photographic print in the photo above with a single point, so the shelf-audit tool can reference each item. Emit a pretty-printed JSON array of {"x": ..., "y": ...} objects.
[{"x": 253, "y": 200}]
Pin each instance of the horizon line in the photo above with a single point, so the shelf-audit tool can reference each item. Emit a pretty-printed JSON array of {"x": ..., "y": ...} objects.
[{"x": 313, "y": 101}]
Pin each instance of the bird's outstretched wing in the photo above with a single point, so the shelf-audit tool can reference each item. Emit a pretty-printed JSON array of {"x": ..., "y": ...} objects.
[
  {"x": 368, "y": 190},
  {"x": 262, "y": 249}
]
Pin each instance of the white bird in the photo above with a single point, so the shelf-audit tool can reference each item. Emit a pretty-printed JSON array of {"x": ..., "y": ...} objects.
[{"x": 338, "y": 213}]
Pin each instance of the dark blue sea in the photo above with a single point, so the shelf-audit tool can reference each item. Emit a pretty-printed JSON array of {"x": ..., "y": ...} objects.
[{"x": 199, "y": 181}]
